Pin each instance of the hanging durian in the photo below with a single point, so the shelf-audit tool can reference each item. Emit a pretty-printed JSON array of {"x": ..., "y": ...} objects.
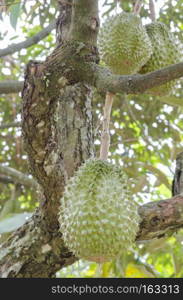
[
  {"x": 166, "y": 51},
  {"x": 124, "y": 45},
  {"x": 98, "y": 218}
]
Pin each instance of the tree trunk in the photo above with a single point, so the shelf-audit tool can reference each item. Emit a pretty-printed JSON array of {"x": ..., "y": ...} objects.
[{"x": 58, "y": 136}]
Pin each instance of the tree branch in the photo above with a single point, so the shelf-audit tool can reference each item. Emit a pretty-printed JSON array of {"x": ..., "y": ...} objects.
[
  {"x": 29, "y": 42},
  {"x": 10, "y": 86},
  {"x": 5, "y": 179},
  {"x": 18, "y": 177},
  {"x": 105, "y": 81},
  {"x": 10, "y": 125},
  {"x": 134, "y": 84},
  {"x": 160, "y": 218}
]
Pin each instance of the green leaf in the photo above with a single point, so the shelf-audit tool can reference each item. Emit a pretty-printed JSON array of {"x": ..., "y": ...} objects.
[
  {"x": 172, "y": 100},
  {"x": 13, "y": 222},
  {"x": 137, "y": 271},
  {"x": 14, "y": 14}
]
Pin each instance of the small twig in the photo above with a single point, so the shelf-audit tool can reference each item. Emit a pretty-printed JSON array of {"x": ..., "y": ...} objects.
[
  {"x": 29, "y": 41},
  {"x": 10, "y": 125},
  {"x": 137, "y": 7},
  {"x": 105, "y": 137},
  {"x": 152, "y": 10},
  {"x": 18, "y": 177}
]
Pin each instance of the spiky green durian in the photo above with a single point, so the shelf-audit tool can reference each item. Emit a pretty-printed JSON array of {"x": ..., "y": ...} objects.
[
  {"x": 98, "y": 218},
  {"x": 123, "y": 43},
  {"x": 166, "y": 51}
]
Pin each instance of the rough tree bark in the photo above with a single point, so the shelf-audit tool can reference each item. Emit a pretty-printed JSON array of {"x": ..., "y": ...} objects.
[
  {"x": 177, "y": 185},
  {"x": 57, "y": 127},
  {"x": 58, "y": 134}
]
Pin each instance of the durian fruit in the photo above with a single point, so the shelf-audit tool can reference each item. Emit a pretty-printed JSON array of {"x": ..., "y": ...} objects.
[
  {"x": 98, "y": 218},
  {"x": 166, "y": 51},
  {"x": 124, "y": 45}
]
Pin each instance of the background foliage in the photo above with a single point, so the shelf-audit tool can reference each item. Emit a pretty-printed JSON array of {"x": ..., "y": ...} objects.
[{"x": 146, "y": 131}]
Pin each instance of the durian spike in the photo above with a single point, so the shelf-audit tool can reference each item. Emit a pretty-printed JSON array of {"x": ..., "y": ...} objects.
[
  {"x": 137, "y": 7},
  {"x": 152, "y": 10},
  {"x": 105, "y": 136}
]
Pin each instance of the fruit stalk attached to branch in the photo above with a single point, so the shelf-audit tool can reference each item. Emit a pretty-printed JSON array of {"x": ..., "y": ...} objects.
[
  {"x": 152, "y": 10},
  {"x": 105, "y": 137},
  {"x": 137, "y": 7}
]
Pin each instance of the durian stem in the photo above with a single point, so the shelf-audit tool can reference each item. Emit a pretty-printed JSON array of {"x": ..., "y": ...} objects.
[
  {"x": 152, "y": 10},
  {"x": 137, "y": 7},
  {"x": 105, "y": 137}
]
